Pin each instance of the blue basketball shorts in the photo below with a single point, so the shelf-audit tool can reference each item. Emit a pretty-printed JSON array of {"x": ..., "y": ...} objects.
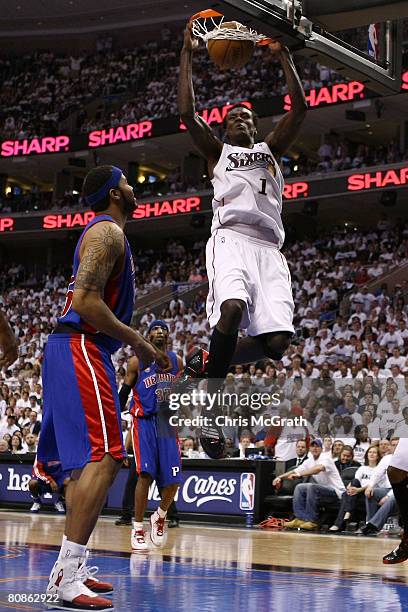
[
  {"x": 157, "y": 449},
  {"x": 81, "y": 410}
]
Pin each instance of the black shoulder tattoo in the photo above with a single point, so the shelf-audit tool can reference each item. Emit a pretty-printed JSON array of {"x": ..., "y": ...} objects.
[{"x": 98, "y": 260}]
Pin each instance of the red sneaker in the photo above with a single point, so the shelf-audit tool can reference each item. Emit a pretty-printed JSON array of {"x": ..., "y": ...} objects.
[
  {"x": 68, "y": 592},
  {"x": 138, "y": 541},
  {"x": 88, "y": 575},
  {"x": 158, "y": 531}
]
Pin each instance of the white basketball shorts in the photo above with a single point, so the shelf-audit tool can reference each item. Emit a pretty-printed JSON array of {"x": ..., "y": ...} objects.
[
  {"x": 243, "y": 268},
  {"x": 400, "y": 457}
]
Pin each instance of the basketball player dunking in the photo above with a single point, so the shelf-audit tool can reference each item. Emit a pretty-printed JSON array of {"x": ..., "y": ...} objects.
[
  {"x": 82, "y": 424},
  {"x": 155, "y": 442},
  {"x": 249, "y": 280}
]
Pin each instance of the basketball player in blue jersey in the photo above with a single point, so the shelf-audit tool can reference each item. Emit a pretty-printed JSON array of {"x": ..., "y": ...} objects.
[
  {"x": 249, "y": 279},
  {"x": 82, "y": 425},
  {"x": 155, "y": 442},
  {"x": 48, "y": 478}
]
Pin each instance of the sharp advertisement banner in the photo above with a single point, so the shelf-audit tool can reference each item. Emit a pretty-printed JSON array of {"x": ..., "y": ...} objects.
[
  {"x": 365, "y": 179},
  {"x": 339, "y": 93}
]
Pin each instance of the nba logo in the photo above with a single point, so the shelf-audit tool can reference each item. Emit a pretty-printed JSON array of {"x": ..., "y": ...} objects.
[{"x": 247, "y": 491}]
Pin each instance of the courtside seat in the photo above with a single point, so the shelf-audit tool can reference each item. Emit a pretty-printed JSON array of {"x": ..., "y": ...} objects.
[
  {"x": 280, "y": 504},
  {"x": 329, "y": 511}
]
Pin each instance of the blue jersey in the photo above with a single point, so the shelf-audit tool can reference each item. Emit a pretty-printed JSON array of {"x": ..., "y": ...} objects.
[
  {"x": 152, "y": 389},
  {"x": 119, "y": 294}
]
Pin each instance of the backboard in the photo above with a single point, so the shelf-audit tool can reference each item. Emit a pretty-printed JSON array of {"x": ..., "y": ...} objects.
[{"x": 356, "y": 39}]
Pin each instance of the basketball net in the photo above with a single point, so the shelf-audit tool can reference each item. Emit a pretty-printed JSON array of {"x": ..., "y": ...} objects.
[{"x": 202, "y": 21}]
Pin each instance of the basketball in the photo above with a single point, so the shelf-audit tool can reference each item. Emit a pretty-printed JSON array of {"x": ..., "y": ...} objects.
[{"x": 226, "y": 53}]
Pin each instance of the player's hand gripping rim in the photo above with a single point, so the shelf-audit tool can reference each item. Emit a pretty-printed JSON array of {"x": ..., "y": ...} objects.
[{"x": 190, "y": 41}]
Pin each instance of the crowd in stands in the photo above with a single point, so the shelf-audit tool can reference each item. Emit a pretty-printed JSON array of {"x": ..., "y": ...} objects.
[
  {"x": 44, "y": 92},
  {"x": 346, "y": 372},
  {"x": 337, "y": 154}
]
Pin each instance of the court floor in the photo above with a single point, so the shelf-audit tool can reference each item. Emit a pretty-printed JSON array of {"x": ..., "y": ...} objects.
[{"x": 207, "y": 569}]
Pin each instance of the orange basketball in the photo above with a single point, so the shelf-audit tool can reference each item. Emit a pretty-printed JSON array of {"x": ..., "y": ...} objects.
[{"x": 226, "y": 53}]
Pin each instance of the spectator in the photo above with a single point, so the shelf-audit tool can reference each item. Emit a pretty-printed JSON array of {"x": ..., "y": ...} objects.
[
  {"x": 301, "y": 455},
  {"x": 401, "y": 429},
  {"x": 384, "y": 447},
  {"x": 378, "y": 492},
  {"x": 10, "y": 428},
  {"x": 4, "y": 447},
  {"x": 346, "y": 459},
  {"x": 31, "y": 443},
  {"x": 361, "y": 445},
  {"x": 355, "y": 489},
  {"x": 245, "y": 441},
  {"x": 17, "y": 445},
  {"x": 327, "y": 486},
  {"x": 34, "y": 425}
]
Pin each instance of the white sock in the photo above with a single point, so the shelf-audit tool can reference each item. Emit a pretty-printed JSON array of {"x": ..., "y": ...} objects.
[
  {"x": 137, "y": 526},
  {"x": 62, "y": 549},
  {"x": 161, "y": 512},
  {"x": 72, "y": 549}
]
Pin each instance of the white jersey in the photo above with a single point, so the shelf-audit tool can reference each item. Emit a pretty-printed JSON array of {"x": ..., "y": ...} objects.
[{"x": 248, "y": 186}]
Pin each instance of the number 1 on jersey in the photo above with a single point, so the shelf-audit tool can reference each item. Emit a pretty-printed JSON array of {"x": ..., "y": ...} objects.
[{"x": 263, "y": 188}]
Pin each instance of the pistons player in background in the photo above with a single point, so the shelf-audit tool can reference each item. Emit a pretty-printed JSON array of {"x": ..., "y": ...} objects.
[
  {"x": 81, "y": 400},
  {"x": 249, "y": 279},
  {"x": 155, "y": 441},
  {"x": 48, "y": 478}
]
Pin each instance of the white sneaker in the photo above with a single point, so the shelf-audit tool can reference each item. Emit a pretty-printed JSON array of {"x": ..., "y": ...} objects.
[
  {"x": 334, "y": 528},
  {"x": 138, "y": 540},
  {"x": 158, "y": 531},
  {"x": 35, "y": 507},
  {"x": 59, "y": 506},
  {"x": 68, "y": 591}
]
